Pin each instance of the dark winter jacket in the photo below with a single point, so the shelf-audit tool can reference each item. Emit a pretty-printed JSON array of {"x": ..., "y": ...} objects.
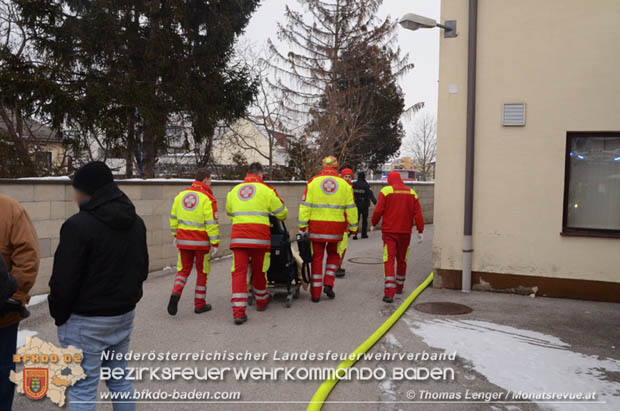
[
  {"x": 101, "y": 260},
  {"x": 363, "y": 194}
]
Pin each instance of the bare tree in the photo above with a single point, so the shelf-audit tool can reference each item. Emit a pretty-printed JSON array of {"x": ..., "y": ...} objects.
[
  {"x": 308, "y": 76},
  {"x": 265, "y": 113},
  {"x": 423, "y": 142}
]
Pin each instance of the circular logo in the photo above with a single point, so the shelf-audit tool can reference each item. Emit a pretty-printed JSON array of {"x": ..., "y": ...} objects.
[
  {"x": 246, "y": 192},
  {"x": 329, "y": 186},
  {"x": 190, "y": 201}
]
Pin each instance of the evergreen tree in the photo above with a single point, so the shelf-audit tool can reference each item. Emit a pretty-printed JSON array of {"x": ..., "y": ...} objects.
[
  {"x": 110, "y": 60},
  {"x": 368, "y": 130},
  {"x": 316, "y": 76}
]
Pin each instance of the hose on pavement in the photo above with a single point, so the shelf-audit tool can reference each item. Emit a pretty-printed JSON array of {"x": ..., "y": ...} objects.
[{"x": 321, "y": 394}]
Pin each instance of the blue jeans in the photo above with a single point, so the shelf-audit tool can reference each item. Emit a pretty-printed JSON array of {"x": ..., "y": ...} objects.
[
  {"x": 8, "y": 343},
  {"x": 94, "y": 335}
]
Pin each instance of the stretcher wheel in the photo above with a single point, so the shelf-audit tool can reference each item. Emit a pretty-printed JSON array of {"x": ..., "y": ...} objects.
[
  {"x": 289, "y": 300},
  {"x": 251, "y": 299},
  {"x": 296, "y": 293}
]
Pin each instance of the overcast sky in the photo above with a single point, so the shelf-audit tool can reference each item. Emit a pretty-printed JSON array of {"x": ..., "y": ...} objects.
[{"x": 421, "y": 45}]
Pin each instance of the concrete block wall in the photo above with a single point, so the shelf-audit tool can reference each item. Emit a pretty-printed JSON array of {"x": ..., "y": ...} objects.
[{"x": 50, "y": 202}]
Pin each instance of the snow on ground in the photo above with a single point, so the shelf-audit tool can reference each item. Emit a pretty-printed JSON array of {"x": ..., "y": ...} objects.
[
  {"x": 37, "y": 299},
  {"x": 522, "y": 360},
  {"x": 21, "y": 336},
  {"x": 390, "y": 339},
  {"x": 48, "y": 178}
]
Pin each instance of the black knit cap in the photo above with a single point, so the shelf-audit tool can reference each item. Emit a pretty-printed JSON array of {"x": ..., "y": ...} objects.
[{"x": 92, "y": 176}]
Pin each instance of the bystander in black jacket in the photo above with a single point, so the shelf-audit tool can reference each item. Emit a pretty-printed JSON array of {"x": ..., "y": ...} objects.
[
  {"x": 363, "y": 196},
  {"x": 101, "y": 260}
]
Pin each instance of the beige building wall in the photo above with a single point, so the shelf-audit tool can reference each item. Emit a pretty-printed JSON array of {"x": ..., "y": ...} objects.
[
  {"x": 49, "y": 203},
  {"x": 561, "y": 58},
  {"x": 246, "y": 139}
]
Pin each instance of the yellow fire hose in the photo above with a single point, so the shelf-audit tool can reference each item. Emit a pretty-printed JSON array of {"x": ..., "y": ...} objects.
[{"x": 321, "y": 394}]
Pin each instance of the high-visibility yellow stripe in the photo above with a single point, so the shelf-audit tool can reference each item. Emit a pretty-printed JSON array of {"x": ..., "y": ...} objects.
[
  {"x": 179, "y": 263},
  {"x": 321, "y": 394},
  {"x": 266, "y": 263},
  {"x": 342, "y": 245}
]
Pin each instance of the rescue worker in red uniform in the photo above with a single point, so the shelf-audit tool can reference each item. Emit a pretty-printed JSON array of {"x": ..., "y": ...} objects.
[
  {"x": 347, "y": 175},
  {"x": 193, "y": 223},
  {"x": 399, "y": 207},
  {"x": 249, "y": 206},
  {"x": 326, "y": 212}
]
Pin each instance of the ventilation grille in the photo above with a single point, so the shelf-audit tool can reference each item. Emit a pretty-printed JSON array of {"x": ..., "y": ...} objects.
[{"x": 514, "y": 114}]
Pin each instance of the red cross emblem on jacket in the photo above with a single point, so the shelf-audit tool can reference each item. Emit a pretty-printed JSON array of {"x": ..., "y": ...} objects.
[
  {"x": 329, "y": 186},
  {"x": 189, "y": 201},
  {"x": 246, "y": 192}
]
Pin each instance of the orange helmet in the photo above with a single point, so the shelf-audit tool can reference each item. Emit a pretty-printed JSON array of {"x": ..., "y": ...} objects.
[{"x": 330, "y": 161}]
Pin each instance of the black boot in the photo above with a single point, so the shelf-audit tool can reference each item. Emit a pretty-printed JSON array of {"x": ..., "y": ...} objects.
[
  {"x": 207, "y": 307},
  {"x": 340, "y": 272},
  {"x": 315, "y": 300},
  {"x": 355, "y": 237},
  {"x": 388, "y": 299},
  {"x": 239, "y": 321},
  {"x": 173, "y": 304},
  {"x": 329, "y": 291}
]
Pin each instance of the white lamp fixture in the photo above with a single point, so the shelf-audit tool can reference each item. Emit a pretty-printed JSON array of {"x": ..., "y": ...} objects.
[{"x": 412, "y": 21}]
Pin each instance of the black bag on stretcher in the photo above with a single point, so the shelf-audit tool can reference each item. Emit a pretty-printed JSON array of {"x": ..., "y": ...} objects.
[{"x": 282, "y": 275}]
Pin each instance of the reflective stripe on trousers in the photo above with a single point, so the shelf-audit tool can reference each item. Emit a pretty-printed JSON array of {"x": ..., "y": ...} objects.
[
  {"x": 250, "y": 241},
  {"x": 322, "y": 237},
  {"x": 333, "y": 259},
  {"x": 259, "y": 260},
  {"x": 261, "y": 294},
  {"x": 185, "y": 263}
]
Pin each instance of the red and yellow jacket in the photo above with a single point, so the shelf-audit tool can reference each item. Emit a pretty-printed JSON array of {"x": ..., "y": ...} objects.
[
  {"x": 249, "y": 206},
  {"x": 327, "y": 206},
  {"x": 399, "y": 206},
  {"x": 193, "y": 218}
]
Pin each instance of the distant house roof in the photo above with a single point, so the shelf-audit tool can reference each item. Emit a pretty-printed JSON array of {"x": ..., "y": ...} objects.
[
  {"x": 36, "y": 131},
  {"x": 280, "y": 137}
]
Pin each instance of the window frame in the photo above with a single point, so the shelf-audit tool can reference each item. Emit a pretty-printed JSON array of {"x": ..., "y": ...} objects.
[{"x": 573, "y": 231}]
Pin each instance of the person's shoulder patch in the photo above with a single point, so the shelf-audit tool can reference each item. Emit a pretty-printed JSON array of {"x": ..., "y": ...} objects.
[{"x": 387, "y": 190}]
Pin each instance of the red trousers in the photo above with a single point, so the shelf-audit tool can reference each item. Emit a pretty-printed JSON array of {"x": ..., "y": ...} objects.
[
  {"x": 395, "y": 247},
  {"x": 259, "y": 260},
  {"x": 185, "y": 262},
  {"x": 333, "y": 262}
]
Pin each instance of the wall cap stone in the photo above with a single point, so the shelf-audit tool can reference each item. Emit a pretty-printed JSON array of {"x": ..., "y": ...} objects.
[{"x": 169, "y": 181}]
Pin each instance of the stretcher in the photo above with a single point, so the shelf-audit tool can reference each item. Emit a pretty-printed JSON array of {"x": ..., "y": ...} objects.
[{"x": 283, "y": 274}]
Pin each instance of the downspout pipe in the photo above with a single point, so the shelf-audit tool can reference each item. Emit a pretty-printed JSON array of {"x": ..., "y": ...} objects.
[{"x": 468, "y": 246}]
